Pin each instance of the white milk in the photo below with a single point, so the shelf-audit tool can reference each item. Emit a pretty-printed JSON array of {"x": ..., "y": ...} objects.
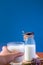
[
  {"x": 19, "y": 48},
  {"x": 30, "y": 52}
]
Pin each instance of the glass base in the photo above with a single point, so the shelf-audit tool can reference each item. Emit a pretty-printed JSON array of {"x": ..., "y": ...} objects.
[{"x": 16, "y": 63}]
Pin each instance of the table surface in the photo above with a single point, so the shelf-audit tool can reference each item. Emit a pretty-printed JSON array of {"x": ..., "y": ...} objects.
[{"x": 40, "y": 54}]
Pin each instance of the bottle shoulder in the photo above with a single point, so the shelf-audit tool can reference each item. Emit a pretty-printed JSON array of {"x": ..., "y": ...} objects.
[{"x": 30, "y": 41}]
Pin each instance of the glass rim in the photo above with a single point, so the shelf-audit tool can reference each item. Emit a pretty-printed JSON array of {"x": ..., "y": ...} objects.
[{"x": 15, "y": 43}]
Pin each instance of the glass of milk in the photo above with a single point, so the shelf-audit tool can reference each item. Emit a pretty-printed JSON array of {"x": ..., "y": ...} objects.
[
  {"x": 30, "y": 47},
  {"x": 18, "y": 46}
]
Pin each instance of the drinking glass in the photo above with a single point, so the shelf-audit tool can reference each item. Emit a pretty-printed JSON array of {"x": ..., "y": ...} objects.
[{"x": 18, "y": 46}]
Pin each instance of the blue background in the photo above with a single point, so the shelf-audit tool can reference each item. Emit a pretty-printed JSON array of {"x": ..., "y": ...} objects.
[{"x": 18, "y": 15}]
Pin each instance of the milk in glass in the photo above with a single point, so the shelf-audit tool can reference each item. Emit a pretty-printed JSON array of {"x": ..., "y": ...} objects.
[{"x": 16, "y": 46}]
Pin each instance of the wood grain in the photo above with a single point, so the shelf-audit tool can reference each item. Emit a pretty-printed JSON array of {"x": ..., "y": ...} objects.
[{"x": 40, "y": 54}]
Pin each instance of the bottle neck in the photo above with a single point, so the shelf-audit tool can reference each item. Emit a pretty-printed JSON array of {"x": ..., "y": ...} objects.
[
  {"x": 26, "y": 37},
  {"x": 29, "y": 40}
]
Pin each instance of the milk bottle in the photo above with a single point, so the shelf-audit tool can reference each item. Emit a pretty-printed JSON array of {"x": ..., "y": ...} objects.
[{"x": 30, "y": 48}]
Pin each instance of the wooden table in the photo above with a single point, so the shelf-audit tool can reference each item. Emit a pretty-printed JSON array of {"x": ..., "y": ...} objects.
[{"x": 40, "y": 54}]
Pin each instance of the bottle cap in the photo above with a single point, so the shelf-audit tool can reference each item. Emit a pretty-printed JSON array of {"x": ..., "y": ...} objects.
[{"x": 29, "y": 33}]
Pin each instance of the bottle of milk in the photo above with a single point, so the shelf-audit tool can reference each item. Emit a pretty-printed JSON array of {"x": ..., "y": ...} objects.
[{"x": 30, "y": 47}]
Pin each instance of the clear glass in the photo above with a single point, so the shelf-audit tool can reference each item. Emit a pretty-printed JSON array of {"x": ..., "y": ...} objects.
[{"x": 18, "y": 46}]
